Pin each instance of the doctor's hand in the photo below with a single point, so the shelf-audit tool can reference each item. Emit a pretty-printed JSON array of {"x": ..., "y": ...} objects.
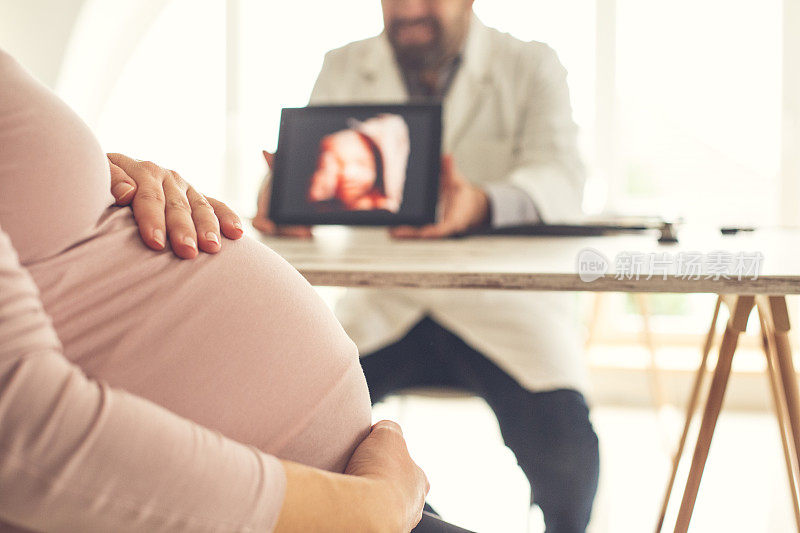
[
  {"x": 261, "y": 221},
  {"x": 166, "y": 206},
  {"x": 462, "y": 206}
]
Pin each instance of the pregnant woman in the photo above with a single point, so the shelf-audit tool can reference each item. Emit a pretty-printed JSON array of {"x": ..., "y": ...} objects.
[{"x": 141, "y": 392}]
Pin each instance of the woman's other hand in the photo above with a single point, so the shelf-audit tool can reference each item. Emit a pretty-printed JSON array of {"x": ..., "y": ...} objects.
[
  {"x": 261, "y": 221},
  {"x": 382, "y": 489},
  {"x": 166, "y": 206},
  {"x": 383, "y": 456}
]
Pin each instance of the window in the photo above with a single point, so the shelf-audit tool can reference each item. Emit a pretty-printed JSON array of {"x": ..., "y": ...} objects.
[
  {"x": 282, "y": 47},
  {"x": 699, "y": 110},
  {"x": 149, "y": 78}
]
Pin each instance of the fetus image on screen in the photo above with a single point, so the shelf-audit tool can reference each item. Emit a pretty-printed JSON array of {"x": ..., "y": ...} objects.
[{"x": 363, "y": 167}]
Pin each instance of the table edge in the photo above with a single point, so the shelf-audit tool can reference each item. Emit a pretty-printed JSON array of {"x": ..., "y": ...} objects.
[{"x": 768, "y": 285}]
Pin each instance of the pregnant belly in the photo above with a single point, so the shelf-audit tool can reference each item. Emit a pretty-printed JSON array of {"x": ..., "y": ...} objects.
[{"x": 238, "y": 341}]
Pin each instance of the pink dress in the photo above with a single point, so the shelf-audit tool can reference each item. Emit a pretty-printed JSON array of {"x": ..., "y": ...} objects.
[{"x": 237, "y": 345}]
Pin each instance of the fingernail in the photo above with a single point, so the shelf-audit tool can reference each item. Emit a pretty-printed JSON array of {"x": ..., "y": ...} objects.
[
  {"x": 237, "y": 225},
  {"x": 158, "y": 236},
  {"x": 121, "y": 190},
  {"x": 211, "y": 236},
  {"x": 188, "y": 241}
]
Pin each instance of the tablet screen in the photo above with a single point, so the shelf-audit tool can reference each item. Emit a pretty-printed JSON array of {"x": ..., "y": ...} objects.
[{"x": 373, "y": 165}]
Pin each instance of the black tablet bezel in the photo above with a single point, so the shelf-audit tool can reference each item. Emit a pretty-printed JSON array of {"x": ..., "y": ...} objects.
[{"x": 358, "y": 218}]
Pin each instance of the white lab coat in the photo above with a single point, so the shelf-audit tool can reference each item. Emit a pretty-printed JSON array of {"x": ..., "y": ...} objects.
[{"x": 507, "y": 119}]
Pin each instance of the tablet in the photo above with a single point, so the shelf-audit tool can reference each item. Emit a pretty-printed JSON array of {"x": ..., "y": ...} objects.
[{"x": 362, "y": 165}]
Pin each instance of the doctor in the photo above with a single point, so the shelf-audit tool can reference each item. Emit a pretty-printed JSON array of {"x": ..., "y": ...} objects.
[{"x": 511, "y": 158}]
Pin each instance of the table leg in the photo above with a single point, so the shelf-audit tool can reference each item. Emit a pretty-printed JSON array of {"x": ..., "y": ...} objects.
[
  {"x": 597, "y": 309},
  {"x": 737, "y": 323},
  {"x": 656, "y": 386},
  {"x": 779, "y": 400},
  {"x": 690, "y": 410},
  {"x": 783, "y": 349}
]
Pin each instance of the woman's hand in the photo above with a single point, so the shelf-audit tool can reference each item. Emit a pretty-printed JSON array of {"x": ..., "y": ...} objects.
[
  {"x": 383, "y": 456},
  {"x": 382, "y": 489},
  {"x": 166, "y": 206}
]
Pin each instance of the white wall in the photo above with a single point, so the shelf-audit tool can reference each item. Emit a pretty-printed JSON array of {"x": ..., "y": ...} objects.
[{"x": 40, "y": 50}]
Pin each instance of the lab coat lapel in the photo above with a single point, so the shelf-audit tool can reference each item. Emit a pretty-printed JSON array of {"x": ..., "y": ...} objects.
[
  {"x": 470, "y": 86},
  {"x": 382, "y": 81}
]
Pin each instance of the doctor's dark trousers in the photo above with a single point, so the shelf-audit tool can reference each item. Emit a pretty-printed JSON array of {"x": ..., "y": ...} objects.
[{"x": 549, "y": 432}]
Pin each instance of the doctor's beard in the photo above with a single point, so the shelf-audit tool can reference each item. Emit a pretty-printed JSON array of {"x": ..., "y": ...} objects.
[{"x": 420, "y": 56}]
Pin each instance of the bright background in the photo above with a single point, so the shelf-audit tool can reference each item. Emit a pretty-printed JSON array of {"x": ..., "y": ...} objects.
[{"x": 687, "y": 109}]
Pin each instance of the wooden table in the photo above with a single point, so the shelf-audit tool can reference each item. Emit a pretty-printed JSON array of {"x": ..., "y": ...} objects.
[{"x": 368, "y": 258}]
